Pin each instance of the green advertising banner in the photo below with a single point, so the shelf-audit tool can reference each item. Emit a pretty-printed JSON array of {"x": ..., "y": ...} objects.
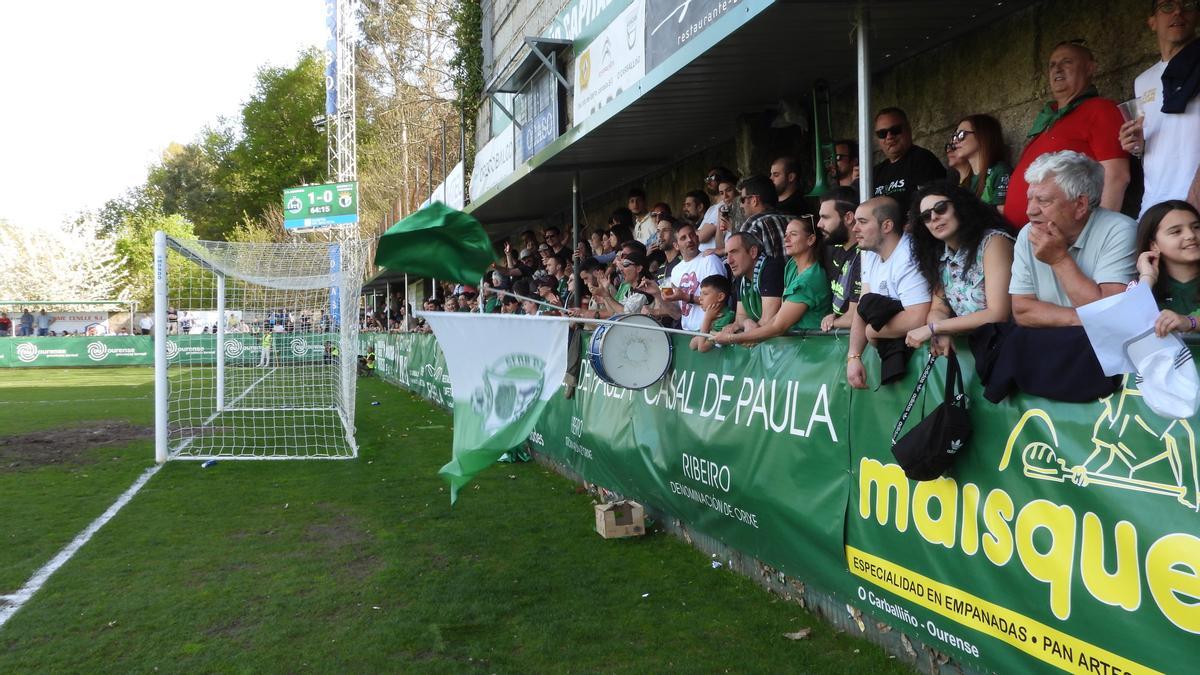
[
  {"x": 138, "y": 350},
  {"x": 1067, "y": 537},
  {"x": 745, "y": 445},
  {"x": 76, "y": 351}
]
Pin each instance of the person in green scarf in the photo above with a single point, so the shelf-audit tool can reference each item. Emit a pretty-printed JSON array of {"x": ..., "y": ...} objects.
[{"x": 1077, "y": 119}]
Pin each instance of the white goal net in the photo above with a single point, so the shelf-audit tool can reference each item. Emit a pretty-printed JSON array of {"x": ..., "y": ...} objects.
[{"x": 256, "y": 349}]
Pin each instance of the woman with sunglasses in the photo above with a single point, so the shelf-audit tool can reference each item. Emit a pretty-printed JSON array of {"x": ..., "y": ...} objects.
[
  {"x": 964, "y": 249},
  {"x": 1168, "y": 239},
  {"x": 806, "y": 295},
  {"x": 634, "y": 268},
  {"x": 978, "y": 150}
]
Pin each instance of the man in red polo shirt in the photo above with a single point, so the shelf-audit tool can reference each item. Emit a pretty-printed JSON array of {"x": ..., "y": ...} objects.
[{"x": 1077, "y": 119}]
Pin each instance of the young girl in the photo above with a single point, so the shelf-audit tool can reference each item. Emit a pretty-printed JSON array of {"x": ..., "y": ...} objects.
[
  {"x": 965, "y": 251},
  {"x": 1169, "y": 246}
]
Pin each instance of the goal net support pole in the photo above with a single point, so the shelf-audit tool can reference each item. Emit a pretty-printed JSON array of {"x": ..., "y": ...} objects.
[
  {"x": 160, "y": 347},
  {"x": 219, "y": 403}
]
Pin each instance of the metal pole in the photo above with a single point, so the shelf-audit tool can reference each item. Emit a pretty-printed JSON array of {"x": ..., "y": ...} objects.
[
  {"x": 429, "y": 165},
  {"x": 866, "y": 185},
  {"x": 443, "y": 167},
  {"x": 387, "y": 303},
  {"x": 220, "y": 342},
  {"x": 462, "y": 151},
  {"x": 408, "y": 310},
  {"x": 160, "y": 347},
  {"x": 575, "y": 272}
]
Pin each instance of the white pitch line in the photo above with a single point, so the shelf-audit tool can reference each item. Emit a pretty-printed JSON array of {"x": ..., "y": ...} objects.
[
  {"x": 240, "y": 396},
  {"x": 9, "y": 604}
]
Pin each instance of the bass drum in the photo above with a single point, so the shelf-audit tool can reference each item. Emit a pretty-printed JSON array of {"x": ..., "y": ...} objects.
[{"x": 633, "y": 358}]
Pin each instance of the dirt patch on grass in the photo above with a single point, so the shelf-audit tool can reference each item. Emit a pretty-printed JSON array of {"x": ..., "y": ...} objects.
[
  {"x": 71, "y": 445},
  {"x": 340, "y": 536}
]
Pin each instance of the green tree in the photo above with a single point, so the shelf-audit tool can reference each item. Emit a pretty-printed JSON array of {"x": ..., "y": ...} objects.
[
  {"x": 134, "y": 242},
  {"x": 196, "y": 181},
  {"x": 279, "y": 146}
]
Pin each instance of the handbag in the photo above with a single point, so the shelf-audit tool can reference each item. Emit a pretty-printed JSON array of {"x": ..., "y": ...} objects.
[{"x": 931, "y": 447}]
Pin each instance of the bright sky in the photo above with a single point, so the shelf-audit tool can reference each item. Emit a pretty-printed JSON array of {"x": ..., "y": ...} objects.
[{"x": 94, "y": 91}]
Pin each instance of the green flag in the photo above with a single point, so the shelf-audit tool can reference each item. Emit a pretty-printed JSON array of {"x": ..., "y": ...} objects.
[
  {"x": 501, "y": 383},
  {"x": 437, "y": 242}
]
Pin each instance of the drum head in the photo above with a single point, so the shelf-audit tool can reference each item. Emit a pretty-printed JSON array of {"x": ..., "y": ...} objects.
[{"x": 634, "y": 358}]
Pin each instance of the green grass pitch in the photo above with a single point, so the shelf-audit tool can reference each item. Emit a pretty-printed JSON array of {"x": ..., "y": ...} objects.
[{"x": 348, "y": 566}]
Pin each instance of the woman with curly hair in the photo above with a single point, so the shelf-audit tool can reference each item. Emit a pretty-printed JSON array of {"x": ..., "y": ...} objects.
[{"x": 964, "y": 249}]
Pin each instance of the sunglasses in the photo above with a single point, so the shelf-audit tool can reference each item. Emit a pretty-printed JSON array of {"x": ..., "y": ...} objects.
[
  {"x": 1172, "y": 7},
  {"x": 656, "y": 215},
  {"x": 961, "y": 135},
  {"x": 624, "y": 264},
  {"x": 839, "y": 157},
  {"x": 950, "y": 147},
  {"x": 711, "y": 177},
  {"x": 939, "y": 208},
  {"x": 742, "y": 199},
  {"x": 893, "y": 130}
]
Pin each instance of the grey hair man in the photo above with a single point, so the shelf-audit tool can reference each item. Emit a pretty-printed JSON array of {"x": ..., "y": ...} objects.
[{"x": 1073, "y": 251}]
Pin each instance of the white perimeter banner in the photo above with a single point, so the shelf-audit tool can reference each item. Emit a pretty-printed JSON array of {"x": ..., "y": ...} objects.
[
  {"x": 493, "y": 163},
  {"x": 612, "y": 63}
]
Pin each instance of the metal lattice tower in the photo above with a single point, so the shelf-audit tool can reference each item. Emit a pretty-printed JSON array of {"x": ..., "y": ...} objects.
[{"x": 341, "y": 130}]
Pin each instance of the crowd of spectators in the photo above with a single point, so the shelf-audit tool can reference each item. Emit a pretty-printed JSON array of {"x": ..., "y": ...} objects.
[{"x": 939, "y": 250}]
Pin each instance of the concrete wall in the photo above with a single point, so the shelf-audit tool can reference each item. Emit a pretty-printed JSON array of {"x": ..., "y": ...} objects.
[{"x": 1001, "y": 69}]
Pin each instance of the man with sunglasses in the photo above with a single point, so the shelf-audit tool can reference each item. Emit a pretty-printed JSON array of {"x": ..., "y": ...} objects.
[
  {"x": 905, "y": 166},
  {"x": 763, "y": 220},
  {"x": 554, "y": 240},
  {"x": 843, "y": 170},
  {"x": 1076, "y": 119},
  {"x": 1166, "y": 133}
]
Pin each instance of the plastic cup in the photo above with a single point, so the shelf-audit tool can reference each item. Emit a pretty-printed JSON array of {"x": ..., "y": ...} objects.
[{"x": 1131, "y": 109}]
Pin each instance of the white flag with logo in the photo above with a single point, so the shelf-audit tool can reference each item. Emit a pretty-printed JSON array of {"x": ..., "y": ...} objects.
[{"x": 503, "y": 369}]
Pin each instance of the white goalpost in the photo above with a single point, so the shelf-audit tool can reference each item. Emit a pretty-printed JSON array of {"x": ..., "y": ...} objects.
[{"x": 255, "y": 348}]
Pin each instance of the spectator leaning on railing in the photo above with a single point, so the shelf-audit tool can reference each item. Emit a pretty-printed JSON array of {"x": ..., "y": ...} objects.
[
  {"x": 1074, "y": 251},
  {"x": 840, "y": 255},
  {"x": 759, "y": 280},
  {"x": 964, "y": 249},
  {"x": 1168, "y": 242},
  {"x": 895, "y": 297},
  {"x": 806, "y": 294},
  {"x": 5, "y": 325}
]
